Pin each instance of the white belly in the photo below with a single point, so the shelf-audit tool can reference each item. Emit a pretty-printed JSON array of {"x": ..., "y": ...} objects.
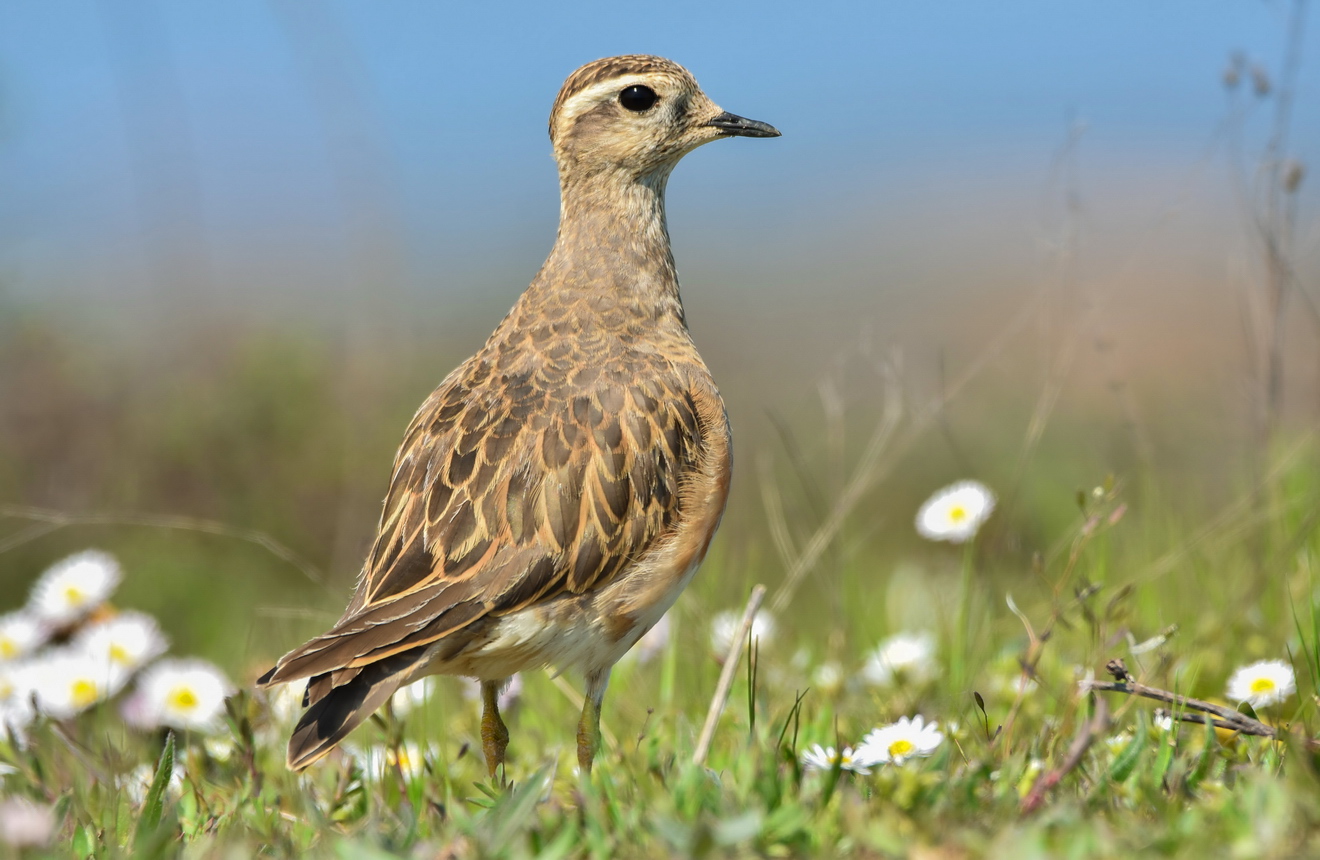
[{"x": 567, "y": 633}]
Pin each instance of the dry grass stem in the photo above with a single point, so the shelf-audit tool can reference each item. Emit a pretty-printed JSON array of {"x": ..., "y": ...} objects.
[
  {"x": 1094, "y": 727},
  {"x": 49, "y": 520},
  {"x": 721, "y": 697},
  {"x": 866, "y": 475}
]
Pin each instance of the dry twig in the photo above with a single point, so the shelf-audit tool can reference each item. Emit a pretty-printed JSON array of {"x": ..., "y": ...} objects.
[
  {"x": 1228, "y": 718},
  {"x": 1124, "y": 683}
]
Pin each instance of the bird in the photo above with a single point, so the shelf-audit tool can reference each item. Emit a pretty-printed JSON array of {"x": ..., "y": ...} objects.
[{"x": 556, "y": 493}]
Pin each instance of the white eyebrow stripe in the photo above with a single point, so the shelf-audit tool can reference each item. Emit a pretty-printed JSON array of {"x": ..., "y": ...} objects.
[{"x": 584, "y": 101}]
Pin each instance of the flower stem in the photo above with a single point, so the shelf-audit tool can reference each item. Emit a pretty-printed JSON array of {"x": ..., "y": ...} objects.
[{"x": 961, "y": 655}]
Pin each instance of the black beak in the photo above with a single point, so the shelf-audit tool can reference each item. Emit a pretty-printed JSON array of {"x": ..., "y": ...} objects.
[{"x": 741, "y": 126}]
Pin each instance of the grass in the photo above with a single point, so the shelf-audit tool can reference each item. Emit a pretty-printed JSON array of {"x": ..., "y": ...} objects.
[
  {"x": 1114, "y": 582},
  {"x": 1184, "y": 578}
]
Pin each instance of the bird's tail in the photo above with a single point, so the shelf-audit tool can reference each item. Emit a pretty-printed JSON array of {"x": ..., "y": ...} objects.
[{"x": 338, "y": 702}]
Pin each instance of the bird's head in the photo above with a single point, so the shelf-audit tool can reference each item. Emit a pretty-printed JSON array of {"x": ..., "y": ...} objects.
[{"x": 637, "y": 114}]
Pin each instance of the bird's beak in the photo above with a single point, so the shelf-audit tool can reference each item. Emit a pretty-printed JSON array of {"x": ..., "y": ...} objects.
[{"x": 741, "y": 126}]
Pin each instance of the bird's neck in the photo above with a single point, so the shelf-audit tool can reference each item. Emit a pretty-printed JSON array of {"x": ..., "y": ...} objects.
[{"x": 613, "y": 244}]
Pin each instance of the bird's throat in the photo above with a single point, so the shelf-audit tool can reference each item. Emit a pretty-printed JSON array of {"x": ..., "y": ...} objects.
[{"x": 613, "y": 240}]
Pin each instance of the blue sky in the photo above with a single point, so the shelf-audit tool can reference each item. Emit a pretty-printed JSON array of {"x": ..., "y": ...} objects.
[{"x": 274, "y": 137}]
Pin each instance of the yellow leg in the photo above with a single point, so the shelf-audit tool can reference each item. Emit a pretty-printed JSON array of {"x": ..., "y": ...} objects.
[
  {"x": 494, "y": 734},
  {"x": 588, "y": 734}
]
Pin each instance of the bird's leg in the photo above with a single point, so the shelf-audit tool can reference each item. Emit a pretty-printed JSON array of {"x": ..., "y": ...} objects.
[
  {"x": 588, "y": 734},
  {"x": 494, "y": 734}
]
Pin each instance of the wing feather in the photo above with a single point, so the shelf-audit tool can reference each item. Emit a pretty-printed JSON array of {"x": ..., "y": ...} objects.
[{"x": 509, "y": 491}]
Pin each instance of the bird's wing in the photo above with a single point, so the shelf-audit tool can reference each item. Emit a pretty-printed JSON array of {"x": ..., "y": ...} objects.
[{"x": 504, "y": 494}]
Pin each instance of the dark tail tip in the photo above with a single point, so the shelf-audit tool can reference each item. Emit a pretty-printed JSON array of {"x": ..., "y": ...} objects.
[
  {"x": 265, "y": 679},
  {"x": 329, "y": 720}
]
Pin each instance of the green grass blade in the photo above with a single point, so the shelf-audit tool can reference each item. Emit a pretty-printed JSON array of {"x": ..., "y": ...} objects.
[
  {"x": 153, "y": 805},
  {"x": 1126, "y": 761}
]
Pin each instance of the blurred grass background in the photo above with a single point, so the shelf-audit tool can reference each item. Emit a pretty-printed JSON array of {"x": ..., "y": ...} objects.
[{"x": 239, "y": 249}]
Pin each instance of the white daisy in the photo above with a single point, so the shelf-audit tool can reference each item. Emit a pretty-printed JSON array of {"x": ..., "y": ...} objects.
[
  {"x": 16, "y": 711},
  {"x": 66, "y": 682},
  {"x": 901, "y": 741},
  {"x": 728, "y": 624},
  {"x": 15, "y": 681},
  {"x": 409, "y": 758},
  {"x": 379, "y": 762},
  {"x": 219, "y": 748},
  {"x": 955, "y": 513},
  {"x": 129, "y": 639},
  {"x": 24, "y": 824},
  {"x": 183, "y": 694},
  {"x": 1163, "y": 720},
  {"x": 1268, "y": 682},
  {"x": 285, "y": 702},
  {"x": 15, "y": 716},
  {"x": 21, "y": 633},
  {"x": 828, "y": 678},
  {"x": 903, "y": 657},
  {"x": 1119, "y": 742},
  {"x": 73, "y": 587},
  {"x": 825, "y": 758},
  {"x": 414, "y": 695}
]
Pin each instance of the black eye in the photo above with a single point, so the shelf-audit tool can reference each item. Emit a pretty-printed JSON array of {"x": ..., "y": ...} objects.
[{"x": 638, "y": 98}]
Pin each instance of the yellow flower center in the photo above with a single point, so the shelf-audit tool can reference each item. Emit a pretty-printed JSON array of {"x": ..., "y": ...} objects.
[
  {"x": 1262, "y": 685},
  {"x": 119, "y": 654},
  {"x": 901, "y": 747},
  {"x": 84, "y": 692},
  {"x": 8, "y": 649},
  {"x": 74, "y": 595},
  {"x": 182, "y": 698},
  {"x": 403, "y": 760},
  {"x": 957, "y": 513}
]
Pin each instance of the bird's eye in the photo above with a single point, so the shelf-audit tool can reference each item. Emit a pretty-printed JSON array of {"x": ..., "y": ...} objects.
[{"x": 638, "y": 98}]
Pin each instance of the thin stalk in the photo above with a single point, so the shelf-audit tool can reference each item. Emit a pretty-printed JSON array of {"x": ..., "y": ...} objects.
[{"x": 961, "y": 636}]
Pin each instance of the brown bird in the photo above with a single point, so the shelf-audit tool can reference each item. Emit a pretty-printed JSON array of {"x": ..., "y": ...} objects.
[{"x": 556, "y": 493}]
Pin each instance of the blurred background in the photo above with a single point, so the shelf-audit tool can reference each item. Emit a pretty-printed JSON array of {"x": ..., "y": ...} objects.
[{"x": 1032, "y": 243}]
